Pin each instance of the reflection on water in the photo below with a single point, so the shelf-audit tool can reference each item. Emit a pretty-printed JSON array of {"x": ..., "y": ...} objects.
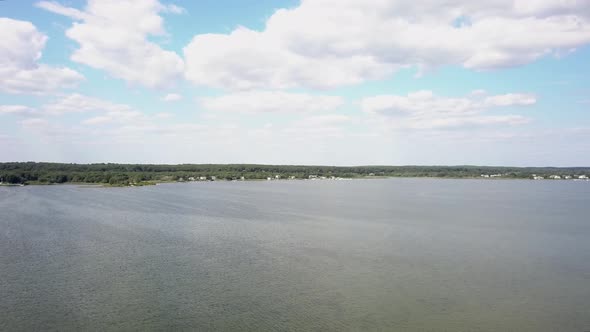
[{"x": 399, "y": 254}]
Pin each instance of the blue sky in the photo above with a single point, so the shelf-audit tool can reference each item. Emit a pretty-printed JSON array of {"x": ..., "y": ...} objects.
[{"x": 288, "y": 82}]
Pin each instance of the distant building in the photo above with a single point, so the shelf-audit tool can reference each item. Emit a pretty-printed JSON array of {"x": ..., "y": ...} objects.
[
  {"x": 268, "y": 178},
  {"x": 213, "y": 178},
  {"x": 567, "y": 177},
  {"x": 202, "y": 178},
  {"x": 191, "y": 178},
  {"x": 538, "y": 177},
  {"x": 583, "y": 177},
  {"x": 277, "y": 176},
  {"x": 555, "y": 177}
]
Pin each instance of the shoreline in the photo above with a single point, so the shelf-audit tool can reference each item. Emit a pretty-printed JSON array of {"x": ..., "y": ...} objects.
[
  {"x": 154, "y": 183},
  {"x": 127, "y": 175}
]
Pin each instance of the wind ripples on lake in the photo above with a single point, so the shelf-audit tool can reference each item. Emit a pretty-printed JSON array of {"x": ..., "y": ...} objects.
[{"x": 390, "y": 254}]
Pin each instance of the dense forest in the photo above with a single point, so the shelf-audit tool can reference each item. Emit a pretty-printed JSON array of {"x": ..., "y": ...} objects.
[{"x": 137, "y": 174}]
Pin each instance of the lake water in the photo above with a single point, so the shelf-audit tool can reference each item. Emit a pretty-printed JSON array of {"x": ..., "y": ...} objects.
[{"x": 392, "y": 254}]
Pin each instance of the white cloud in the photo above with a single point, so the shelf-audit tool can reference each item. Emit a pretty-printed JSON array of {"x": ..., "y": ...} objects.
[
  {"x": 57, "y": 8},
  {"x": 113, "y": 36},
  {"x": 326, "y": 120},
  {"x": 163, "y": 115},
  {"x": 329, "y": 43},
  {"x": 105, "y": 112},
  {"x": 174, "y": 9},
  {"x": 17, "y": 110},
  {"x": 20, "y": 50},
  {"x": 247, "y": 59},
  {"x": 115, "y": 117},
  {"x": 57, "y": 132},
  {"x": 172, "y": 97},
  {"x": 317, "y": 127},
  {"x": 109, "y": 112},
  {"x": 309, "y": 138},
  {"x": 425, "y": 110},
  {"x": 35, "y": 123},
  {"x": 77, "y": 103},
  {"x": 511, "y": 99},
  {"x": 271, "y": 101},
  {"x": 482, "y": 120},
  {"x": 74, "y": 103}
]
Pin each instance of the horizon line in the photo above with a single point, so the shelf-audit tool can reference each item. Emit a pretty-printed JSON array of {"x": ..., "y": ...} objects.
[{"x": 297, "y": 165}]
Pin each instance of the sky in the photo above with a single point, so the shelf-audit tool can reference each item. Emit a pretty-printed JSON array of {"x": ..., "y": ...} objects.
[{"x": 322, "y": 82}]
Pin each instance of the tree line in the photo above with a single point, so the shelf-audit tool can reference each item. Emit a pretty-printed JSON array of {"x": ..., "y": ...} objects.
[{"x": 126, "y": 174}]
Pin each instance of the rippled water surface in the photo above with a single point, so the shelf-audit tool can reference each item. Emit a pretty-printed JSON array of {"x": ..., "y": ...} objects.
[{"x": 398, "y": 254}]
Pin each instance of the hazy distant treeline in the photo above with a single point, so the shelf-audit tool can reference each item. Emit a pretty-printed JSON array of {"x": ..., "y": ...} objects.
[{"x": 123, "y": 174}]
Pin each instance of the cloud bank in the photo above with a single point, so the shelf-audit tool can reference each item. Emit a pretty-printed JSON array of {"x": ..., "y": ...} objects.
[{"x": 331, "y": 43}]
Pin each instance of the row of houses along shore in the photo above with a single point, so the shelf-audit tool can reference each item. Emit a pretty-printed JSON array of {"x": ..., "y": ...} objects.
[{"x": 550, "y": 177}]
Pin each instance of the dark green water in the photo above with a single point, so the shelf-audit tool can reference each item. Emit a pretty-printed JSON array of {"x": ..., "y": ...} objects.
[{"x": 382, "y": 255}]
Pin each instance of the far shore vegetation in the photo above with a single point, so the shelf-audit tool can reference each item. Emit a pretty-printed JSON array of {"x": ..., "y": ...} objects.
[{"x": 17, "y": 173}]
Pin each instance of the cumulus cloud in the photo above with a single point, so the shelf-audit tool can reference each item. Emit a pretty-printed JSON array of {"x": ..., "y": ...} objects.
[
  {"x": 248, "y": 59},
  {"x": 113, "y": 36},
  {"x": 271, "y": 101},
  {"x": 172, "y": 97},
  {"x": 425, "y": 110},
  {"x": 329, "y": 43},
  {"x": 20, "y": 70}
]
